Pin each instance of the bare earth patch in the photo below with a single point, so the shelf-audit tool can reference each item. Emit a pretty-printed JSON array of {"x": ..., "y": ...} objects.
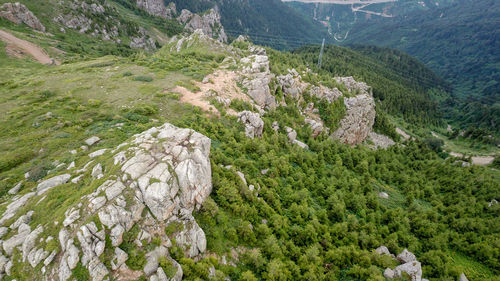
[
  {"x": 18, "y": 48},
  {"x": 482, "y": 160},
  {"x": 221, "y": 83}
]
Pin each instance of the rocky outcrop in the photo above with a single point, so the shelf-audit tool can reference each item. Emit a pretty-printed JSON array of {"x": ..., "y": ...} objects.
[
  {"x": 256, "y": 77},
  {"x": 160, "y": 177},
  {"x": 316, "y": 126},
  {"x": 254, "y": 126},
  {"x": 380, "y": 141},
  {"x": 292, "y": 137},
  {"x": 359, "y": 118},
  {"x": 208, "y": 22},
  {"x": 354, "y": 86},
  {"x": 413, "y": 269},
  {"x": 18, "y": 13},
  {"x": 79, "y": 14},
  {"x": 291, "y": 85},
  {"x": 142, "y": 41},
  {"x": 410, "y": 266},
  {"x": 406, "y": 256},
  {"x": 157, "y": 8},
  {"x": 46, "y": 185}
]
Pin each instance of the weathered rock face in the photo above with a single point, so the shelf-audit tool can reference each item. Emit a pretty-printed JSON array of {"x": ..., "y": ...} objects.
[
  {"x": 254, "y": 126},
  {"x": 18, "y": 13},
  {"x": 79, "y": 17},
  {"x": 358, "y": 121},
  {"x": 380, "y": 141},
  {"x": 161, "y": 176},
  {"x": 409, "y": 265},
  {"x": 256, "y": 79},
  {"x": 316, "y": 126},
  {"x": 209, "y": 23},
  {"x": 143, "y": 41},
  {"x": 353, "y": 86},
  {"x": 413, "y": 269},
  {"x": 292, "y": 136},
  {"x": 406, "y": 256},
  {"x": 290, "y": 84},
  {"x": 157, "y": 8}
]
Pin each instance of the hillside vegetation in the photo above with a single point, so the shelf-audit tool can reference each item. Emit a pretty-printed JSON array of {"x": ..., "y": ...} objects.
[
  {"x": 274, "y": 200},
  {"x": 460, "y": 43}
]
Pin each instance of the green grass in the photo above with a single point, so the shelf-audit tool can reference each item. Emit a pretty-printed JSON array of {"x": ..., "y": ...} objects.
[{"x": 471, "y": 268}]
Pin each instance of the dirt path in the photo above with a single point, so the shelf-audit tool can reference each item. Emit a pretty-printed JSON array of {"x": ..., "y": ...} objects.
[{"x": 16, "y": 47}]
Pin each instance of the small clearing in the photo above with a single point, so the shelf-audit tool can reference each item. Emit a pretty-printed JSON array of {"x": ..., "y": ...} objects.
[
  {"x": 17, "y": 48},
  {"x": 221, "y": 84},
  {"x": 482, "y": 160},
  {"x": 196, "y": 99}
]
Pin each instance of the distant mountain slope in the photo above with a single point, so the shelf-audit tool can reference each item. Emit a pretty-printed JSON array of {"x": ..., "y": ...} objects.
[
  {"x": 267, "y": 22},
  {"x": 461, "y": 43},
  {"x": 341, "y": 16}
]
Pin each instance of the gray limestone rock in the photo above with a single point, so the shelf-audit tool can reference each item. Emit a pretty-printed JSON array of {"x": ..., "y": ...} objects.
[
  {"x": 413, "y": 269},
  {"x": 18, "y": 13},
  {"x": 45, "y": 185},
  {"x": 406, "y": 256},
  {"x": 209, "y": 22},
  {"x": 358, "y": 120},
  {"x": 92, "y": 140},
  {"x": 254, "y": 126},
  {"x": 16, "y": 188},
  {"x": 157, "y": 8}
]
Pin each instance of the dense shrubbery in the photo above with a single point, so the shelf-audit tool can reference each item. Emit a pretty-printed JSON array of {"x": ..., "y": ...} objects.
[
  {"x": 317, "y": 215},
  {"x": 398, "y": 92}
]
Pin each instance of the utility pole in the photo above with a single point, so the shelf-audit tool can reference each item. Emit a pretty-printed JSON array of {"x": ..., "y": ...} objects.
[{"x": 321, "y": 53}]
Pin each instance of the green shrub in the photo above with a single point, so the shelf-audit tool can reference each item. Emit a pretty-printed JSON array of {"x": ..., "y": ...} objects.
[
  {"x": 81, "y": 273},
  {"x": 168, "y": 267},
  {"x": 143, "y": 78},
  {"x": 12, "y": 159}
]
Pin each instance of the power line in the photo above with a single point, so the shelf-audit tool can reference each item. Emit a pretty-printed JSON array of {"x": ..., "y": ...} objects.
[
  {"x": 321, "y": 53},
  {"x": 295, "y": 42}
]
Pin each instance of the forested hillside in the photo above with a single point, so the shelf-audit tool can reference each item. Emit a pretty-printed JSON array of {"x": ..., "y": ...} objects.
[
  {"x": 267, "y": 22},
  {"x": 178, "y": 156},
  {"x": 460, "y": 43},
  {"x": 401, "y": 83}
]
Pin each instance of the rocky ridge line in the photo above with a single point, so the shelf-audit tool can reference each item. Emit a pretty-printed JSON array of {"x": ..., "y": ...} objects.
[{"x": 162, "y": 176}]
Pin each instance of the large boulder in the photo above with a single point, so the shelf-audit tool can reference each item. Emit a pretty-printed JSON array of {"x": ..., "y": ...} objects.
[
  {"x": 413, "y": 269},
  {"x": 45, "y": 185},
  {"x": 406, "y": 256},
  {"x": 354, "y": 86},
  {"x": 290, "y": 85},
  {"x": 18, "y": 13},
  {"x": 254, "y": 126}
]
